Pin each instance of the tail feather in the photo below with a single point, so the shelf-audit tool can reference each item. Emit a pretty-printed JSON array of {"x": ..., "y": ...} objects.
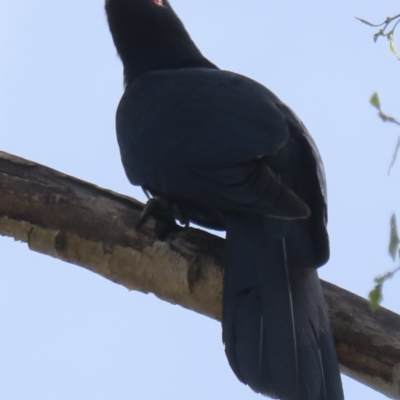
[{"x": 275, "y": 326}]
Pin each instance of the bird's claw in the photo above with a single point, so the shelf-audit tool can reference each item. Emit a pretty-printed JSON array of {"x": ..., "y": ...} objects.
[{"x": 161, "y": 210}]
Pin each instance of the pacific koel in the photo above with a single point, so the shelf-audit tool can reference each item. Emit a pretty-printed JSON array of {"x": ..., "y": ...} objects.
[{"x": 220, "y": 150}]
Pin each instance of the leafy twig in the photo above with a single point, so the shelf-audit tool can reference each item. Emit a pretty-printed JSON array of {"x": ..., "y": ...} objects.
[
  {"x": 375, "y": 295},
  {"x": 389, "y": 22},
  {"x": 375, "y": 102}
]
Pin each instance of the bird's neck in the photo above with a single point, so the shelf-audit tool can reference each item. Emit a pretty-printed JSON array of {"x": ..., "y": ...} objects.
[{"x": 149, "y": 58}]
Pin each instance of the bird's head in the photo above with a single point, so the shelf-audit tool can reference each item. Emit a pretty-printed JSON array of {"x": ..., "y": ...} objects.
[{"x": 148, "y": 35}]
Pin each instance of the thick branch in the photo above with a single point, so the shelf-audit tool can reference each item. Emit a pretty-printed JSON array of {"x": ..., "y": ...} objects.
[{"x": 85, "y": 225}]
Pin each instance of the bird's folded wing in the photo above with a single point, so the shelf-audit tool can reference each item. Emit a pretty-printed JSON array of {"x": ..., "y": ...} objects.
[{"x": 207, "y": 133}]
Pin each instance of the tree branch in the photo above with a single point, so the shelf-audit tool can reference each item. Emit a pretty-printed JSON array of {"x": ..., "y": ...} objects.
[{"x": 80, "y": 223}]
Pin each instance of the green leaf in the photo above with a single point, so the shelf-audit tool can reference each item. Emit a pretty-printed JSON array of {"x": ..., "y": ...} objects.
[
  {"x": 375, "y": 297},
  {"x": 394, "y": 237},
  {"x": 392, "y": 45},
  {"x": 374, "y": 100}
]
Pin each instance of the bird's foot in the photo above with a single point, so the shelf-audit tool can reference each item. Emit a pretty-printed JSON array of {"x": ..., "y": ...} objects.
[{"x": 162, "y": 211}]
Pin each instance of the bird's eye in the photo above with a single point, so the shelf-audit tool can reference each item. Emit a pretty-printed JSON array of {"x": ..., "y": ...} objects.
[{"x": 159, "y": 2}]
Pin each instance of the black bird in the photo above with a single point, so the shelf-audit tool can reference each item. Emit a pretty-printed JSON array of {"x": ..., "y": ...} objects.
[{"x": 222, "y": 151}]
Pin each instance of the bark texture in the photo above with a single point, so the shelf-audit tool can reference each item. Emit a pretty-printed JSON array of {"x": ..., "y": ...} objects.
[{"x": 80, "y": 223}]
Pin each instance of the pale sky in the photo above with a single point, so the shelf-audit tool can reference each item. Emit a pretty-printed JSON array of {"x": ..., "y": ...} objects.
[{"x": 69, "y": 334}]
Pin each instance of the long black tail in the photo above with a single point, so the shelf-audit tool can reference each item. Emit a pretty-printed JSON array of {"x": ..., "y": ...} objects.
[{"x": 275, "y": 325}]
